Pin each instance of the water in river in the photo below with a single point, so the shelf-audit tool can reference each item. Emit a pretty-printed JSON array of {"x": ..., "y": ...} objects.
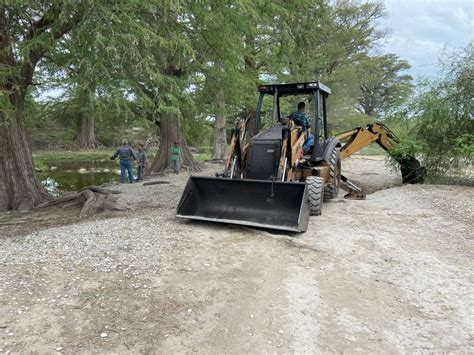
[{"x": 70, "y": 175}]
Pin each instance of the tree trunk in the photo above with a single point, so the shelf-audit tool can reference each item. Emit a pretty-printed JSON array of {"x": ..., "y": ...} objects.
[
  {"x": 219, "y": 147},
  {"x": 170, "y": 132},
  {"x": 86, "y": 133},
  {"x": 20, "y": 188},
  {"x": 249, "y": 114}
]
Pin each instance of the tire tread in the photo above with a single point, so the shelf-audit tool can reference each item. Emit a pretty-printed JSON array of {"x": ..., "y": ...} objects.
[
  {"x": 315, "y": 194},
  {"x": 331, "y": 190}
]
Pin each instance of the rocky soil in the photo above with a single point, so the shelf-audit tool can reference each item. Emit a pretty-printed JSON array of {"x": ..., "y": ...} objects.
[{"x": 389, "y": 274}]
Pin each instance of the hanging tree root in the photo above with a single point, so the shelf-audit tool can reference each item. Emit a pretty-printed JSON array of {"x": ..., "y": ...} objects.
[{"x": 92, "y": 198}]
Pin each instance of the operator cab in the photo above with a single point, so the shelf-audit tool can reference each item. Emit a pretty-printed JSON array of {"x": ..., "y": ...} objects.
[{"x": 284, "y": 97}]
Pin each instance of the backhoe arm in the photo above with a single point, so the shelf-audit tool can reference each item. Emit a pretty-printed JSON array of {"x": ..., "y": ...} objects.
[
  {"x": 235, "y": 157},
  {"x": 361, "y": 137}
]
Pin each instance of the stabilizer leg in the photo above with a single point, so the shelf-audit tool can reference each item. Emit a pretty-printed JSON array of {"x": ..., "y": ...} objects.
[{"x": 354, "y": 192}]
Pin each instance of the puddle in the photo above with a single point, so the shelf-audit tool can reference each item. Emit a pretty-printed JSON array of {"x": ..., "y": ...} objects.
[{"x": 70, "y": 175}]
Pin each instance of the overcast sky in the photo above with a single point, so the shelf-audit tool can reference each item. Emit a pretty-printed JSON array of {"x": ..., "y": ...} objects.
[{"x": 420, "y": 30}]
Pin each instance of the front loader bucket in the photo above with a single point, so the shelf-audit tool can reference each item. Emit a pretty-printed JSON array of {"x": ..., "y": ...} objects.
[{"x": 256, "y": 203}]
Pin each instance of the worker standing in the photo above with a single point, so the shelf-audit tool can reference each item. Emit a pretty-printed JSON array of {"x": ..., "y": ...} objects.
[
  {"x": 125, "y": 154},
  {"x": 176, "y": 157},
  {"x": 142, "y": 160}
]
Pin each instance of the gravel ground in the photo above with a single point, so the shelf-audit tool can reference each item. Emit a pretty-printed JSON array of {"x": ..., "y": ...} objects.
[{"x": 391, "y": 274}]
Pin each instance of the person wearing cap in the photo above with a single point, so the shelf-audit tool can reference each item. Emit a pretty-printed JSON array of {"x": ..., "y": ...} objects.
[{"x": 125, "y": 155}]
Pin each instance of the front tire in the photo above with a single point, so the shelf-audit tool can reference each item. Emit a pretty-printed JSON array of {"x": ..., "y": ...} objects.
[
  {"x": 315, "y": 194},
  {"x": 332, "y": 189}
]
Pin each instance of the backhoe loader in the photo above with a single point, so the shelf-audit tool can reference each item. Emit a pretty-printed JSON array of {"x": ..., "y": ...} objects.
[{"x": 269, "y": 181}]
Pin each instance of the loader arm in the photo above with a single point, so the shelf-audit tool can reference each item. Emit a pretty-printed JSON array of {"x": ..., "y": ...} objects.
[
  {"x": 361, "y": 137},
  {"x": 235, "y": 156}
]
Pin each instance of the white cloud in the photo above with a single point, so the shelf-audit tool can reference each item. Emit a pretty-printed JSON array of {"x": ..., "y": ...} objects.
[{"x": 422, "y": 30}]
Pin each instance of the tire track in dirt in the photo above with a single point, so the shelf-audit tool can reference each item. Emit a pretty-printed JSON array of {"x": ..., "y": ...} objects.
[{"x": 263, "y": 305}]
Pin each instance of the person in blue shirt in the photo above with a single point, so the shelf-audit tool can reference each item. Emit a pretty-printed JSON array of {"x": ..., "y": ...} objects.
[
  {"x": 301, "y": 118},
  {"x": 125, "y": 154}
]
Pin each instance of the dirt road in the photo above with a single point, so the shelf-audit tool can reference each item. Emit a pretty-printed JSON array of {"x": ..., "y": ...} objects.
[{"x": 392, "y": 274}]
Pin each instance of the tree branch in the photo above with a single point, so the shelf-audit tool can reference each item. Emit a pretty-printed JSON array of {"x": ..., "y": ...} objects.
[
  {"x": 7, "y": 60},
  {"x": 35, "y": 54},
  {"x": 43, "y": 23},
  {"x": 151, "y": 94}
]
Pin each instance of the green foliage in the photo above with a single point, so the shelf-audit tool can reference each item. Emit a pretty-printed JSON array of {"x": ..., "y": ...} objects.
[
  {"x": 329, "y": 41},
  {"x": 351, "y": 120},
  {"x": 441, "y": 122},
  {"x": 127, "y": 63},
  {"x": 447, "y": 138},
  {"x": 407, "y": 148},
  {"x": 294, "y": 41},
  {"x": 383, "y": 84},
  {"x": 83, "y": 156},
  {"x": 202, "y": 156}
]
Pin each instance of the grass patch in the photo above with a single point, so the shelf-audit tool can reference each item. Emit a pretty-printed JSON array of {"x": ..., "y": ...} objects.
[
  {"x": 81, "y": 155},
  {"x": 202, "y": 156},
  {"x": 41, "y": 164}
]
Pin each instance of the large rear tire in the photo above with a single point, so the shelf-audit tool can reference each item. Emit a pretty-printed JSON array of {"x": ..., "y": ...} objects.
[
  {"x": 316, "y": 193},
  {"x": 332, "y": 189}
]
